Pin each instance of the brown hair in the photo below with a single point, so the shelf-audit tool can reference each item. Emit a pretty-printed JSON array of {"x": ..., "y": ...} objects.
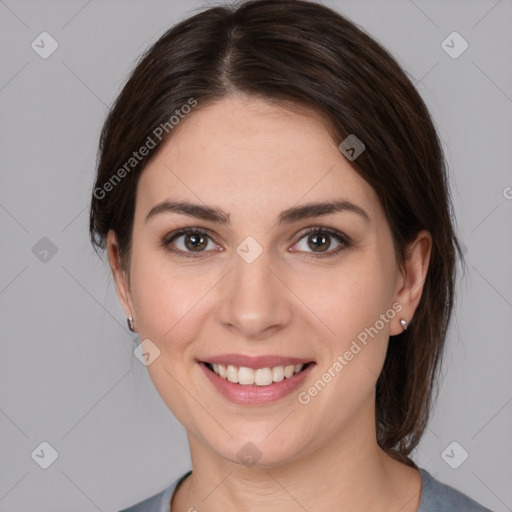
[{"x": 303, "y": 54}]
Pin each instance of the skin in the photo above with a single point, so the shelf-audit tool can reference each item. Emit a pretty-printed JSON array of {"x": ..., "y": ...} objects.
[{"x": 253, "y": 160}]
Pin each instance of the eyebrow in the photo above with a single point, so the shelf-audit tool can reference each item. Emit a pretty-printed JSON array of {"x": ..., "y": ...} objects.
[{"x": 288, "y": 216}]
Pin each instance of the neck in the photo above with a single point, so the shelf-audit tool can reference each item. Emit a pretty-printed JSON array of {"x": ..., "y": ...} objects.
[{"x": 349, "y": 469}]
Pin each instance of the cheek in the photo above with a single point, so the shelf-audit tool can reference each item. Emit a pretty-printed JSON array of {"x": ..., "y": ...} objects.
[
  {"x": 349, "y": 302},
  {"x": 159, "y": 297},
  {"x": 168, "y": 306},
  {"x": 171, "y": 303},
  {"x": 353, "y": 354},
  {"x": 349, "y": 299}
]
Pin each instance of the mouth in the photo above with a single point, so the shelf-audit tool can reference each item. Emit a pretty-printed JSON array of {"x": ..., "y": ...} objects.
[
  {"x": 258, "y": 386},
  {"x": 266, "y": 376}
]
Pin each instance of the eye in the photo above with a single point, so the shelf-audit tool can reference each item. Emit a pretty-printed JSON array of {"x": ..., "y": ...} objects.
[
  {"x": 187, "y": 241},
  {"x": 320, "y": 239}
]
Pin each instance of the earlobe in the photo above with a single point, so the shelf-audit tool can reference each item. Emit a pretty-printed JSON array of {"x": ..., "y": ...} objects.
[{"x": 417, "y": 258}]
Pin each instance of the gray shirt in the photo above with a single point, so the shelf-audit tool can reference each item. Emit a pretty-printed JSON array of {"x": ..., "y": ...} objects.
[{"x": 435, "y": 497}]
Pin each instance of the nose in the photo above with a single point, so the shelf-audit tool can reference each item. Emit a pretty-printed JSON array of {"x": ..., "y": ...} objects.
[{"x": 255, "y": 301}]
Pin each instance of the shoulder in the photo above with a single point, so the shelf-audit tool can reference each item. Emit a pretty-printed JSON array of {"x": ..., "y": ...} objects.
[
  {"x": 439, "y": 497},
  {"x": 435, "y": 497},
  {"x": 158, "y": 502}
]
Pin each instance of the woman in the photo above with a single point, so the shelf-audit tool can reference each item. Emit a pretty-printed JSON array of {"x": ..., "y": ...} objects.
[{"x": 272, "y": 195}]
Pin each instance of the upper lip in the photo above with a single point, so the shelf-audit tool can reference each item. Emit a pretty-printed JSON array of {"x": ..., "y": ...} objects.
[{"x": 267, "y": 361}]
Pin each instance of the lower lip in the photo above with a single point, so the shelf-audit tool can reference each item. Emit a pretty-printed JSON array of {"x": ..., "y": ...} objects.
[{"x": 253, "y": 394}]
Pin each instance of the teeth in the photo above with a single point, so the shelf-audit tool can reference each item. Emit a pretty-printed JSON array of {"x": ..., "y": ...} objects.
[
  {"x": 245, "y": 375},
  {"x": 278, "y": 373},
  {"x": 232, "y": 374},
  {"x": 288, "y": 371},
  {"x": 261, "y": 377}
]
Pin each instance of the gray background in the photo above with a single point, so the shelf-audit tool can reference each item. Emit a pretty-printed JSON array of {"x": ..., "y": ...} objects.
[{"x": 67, "y": 373}]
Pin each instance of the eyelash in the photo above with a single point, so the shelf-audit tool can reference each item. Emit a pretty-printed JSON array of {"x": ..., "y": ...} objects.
[{"x": 344, "y": 240}]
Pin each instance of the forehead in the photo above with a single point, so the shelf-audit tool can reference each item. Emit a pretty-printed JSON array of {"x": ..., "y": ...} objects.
[{"x": 247, "y": 151}]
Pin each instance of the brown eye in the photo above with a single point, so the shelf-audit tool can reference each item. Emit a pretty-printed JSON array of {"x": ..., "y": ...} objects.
[
  {"x": 323, "y": 242},
  {"x": 195, "y": 242},
  {"x": 188, "y": 241},
  {"x": 319, "y": 242}
]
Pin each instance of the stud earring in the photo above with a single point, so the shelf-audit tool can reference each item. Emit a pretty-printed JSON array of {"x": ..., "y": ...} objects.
[
  {"x": 129, "y": 320},
  {"x": 403, "y": 323}
]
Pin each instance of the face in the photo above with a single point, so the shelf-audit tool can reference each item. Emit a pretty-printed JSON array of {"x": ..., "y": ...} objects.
[{"x": 262, "y": 276}]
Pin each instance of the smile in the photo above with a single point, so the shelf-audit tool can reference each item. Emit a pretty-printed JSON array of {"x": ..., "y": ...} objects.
[
  {"x": 260, "y": 377},
  {"x": 257, "y": 386}
]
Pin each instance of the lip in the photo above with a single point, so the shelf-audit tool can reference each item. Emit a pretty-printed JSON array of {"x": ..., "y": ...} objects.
[
  {"x": 268, "y": 361},
  {"x": 254, "y": 394}
]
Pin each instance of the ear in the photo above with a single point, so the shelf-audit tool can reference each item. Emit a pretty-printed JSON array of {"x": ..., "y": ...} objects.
[
  {"x": 414, "y": 273},
  {"x": 121, "y": 276}
]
